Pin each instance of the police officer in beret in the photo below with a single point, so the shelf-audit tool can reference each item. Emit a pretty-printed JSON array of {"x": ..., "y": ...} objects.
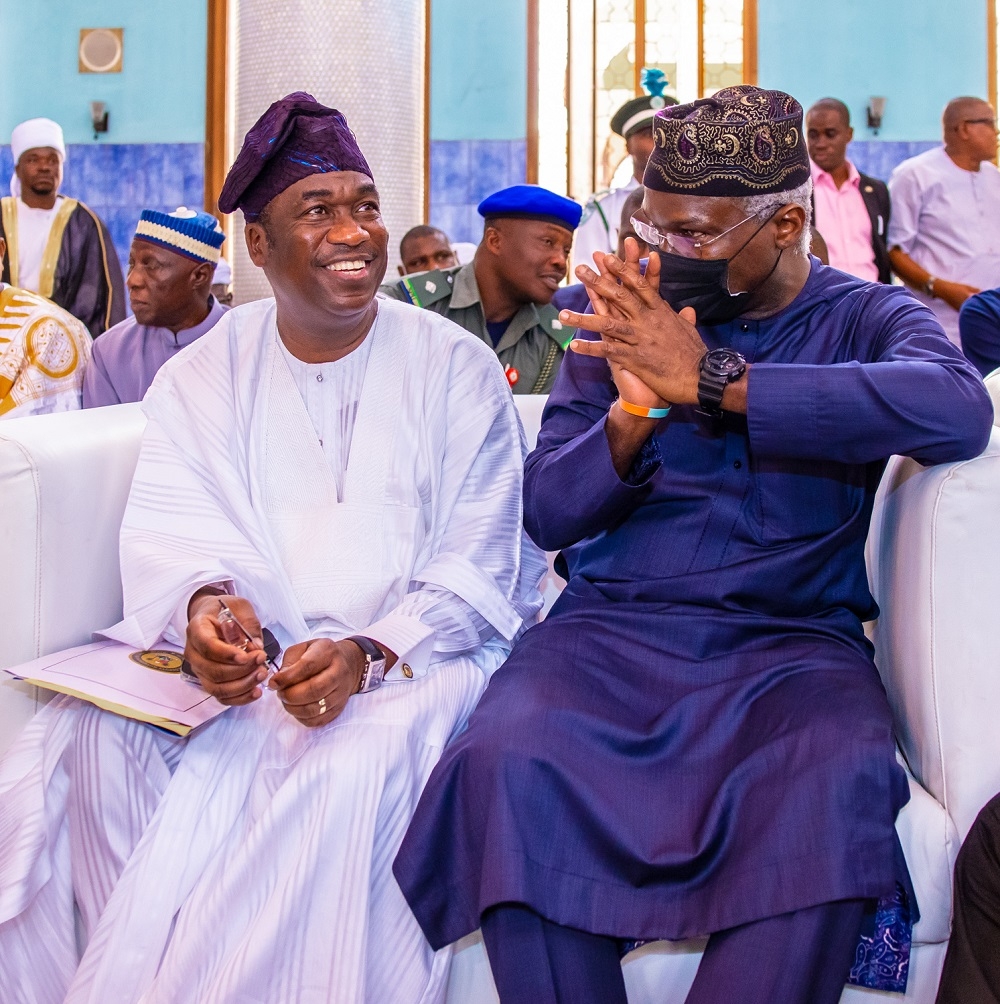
[
  {"x": 503, "y": 295},
  {"x": 598, "y": 230}
]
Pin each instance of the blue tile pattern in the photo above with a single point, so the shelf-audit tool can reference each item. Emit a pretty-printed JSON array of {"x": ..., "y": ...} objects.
[
  {"x": 119, "y": 180},
  {"x": 878, "y": 158},
  {"x": 463, "y": 173}
]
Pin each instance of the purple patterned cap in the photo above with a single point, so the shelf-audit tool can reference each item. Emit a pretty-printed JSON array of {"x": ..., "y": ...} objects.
[
  {"x": 741, "y": 141},
  {"x": 294, "y": 138}
]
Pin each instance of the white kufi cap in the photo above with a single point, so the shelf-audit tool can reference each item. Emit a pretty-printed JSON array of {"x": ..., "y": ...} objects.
[{"x": 31, "y": 135}]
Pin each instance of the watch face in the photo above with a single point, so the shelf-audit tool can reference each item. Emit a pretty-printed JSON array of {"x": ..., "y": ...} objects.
[{"x": 724, "y": 362}]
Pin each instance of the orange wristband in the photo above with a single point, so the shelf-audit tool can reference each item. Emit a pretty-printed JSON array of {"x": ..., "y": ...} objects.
[{"x": 640, "y": 412}]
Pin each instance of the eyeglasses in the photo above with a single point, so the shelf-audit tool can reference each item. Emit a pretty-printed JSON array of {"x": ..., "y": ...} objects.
[{"x": 679, "y": 243}]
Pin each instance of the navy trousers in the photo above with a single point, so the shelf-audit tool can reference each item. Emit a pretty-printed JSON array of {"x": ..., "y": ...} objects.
[{"x": 796, "y": 958}]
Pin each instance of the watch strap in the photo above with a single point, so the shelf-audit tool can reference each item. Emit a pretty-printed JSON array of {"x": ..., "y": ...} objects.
[
  {"x": 374, "y": 671},
  {"x": 712, "y": 381},
  {"x": 711, "y": 387}
]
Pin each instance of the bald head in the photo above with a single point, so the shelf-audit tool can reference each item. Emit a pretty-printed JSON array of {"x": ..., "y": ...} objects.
[
  {"x": 970, "y": 132},
  {"x": 834, "y": 105},
  {"x": 960, "y": 110}
]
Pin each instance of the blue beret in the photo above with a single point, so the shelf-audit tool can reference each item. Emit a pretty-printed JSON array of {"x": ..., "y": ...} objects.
[{"x": 532, "y": 202}]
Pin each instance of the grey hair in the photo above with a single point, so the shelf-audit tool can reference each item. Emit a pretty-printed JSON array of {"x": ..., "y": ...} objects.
[{"x": 763, "y": 206}]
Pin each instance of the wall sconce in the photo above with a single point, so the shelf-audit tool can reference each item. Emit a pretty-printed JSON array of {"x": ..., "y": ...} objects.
[
  {"x": 876, "y": 109},
  {"x": 99, "y": 117}
]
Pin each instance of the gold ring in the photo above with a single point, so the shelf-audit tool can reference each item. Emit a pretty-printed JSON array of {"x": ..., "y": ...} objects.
[{"x": 322, "y": 705}]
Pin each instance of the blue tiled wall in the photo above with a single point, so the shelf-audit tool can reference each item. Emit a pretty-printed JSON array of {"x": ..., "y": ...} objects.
[
  {"x": 463, "y": 173},
  {"x": 879, "y": 157},
  {"x": 119, "y": 180}
]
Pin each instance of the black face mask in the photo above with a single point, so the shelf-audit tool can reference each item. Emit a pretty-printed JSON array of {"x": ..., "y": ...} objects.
[{"x": 703, "y": 283}]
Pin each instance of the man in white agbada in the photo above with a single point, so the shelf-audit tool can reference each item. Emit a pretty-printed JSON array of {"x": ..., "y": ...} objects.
[{"x": 343, "y": 466}]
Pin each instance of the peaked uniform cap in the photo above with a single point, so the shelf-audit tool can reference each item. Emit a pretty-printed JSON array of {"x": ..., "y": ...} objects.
[{"x": 638, "y": 113}]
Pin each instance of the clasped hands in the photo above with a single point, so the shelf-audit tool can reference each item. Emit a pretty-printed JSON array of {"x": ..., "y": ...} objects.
[
  {"x": 316, "y": 678},
  {"x": 654, "y": 353}
]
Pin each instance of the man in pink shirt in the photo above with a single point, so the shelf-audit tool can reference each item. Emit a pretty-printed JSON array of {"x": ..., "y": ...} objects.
[{"x": 850, "y": 209}]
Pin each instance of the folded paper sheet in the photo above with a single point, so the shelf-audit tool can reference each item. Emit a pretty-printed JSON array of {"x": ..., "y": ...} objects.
[{"x": 145, "y": 685}]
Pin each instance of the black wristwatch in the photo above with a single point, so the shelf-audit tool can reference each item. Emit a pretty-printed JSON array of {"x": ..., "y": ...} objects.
[
  {"x": 718, "y": 369},
  {"x": 374, "y": 672}
]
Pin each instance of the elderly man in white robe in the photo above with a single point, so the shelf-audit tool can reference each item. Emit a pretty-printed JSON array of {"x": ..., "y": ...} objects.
[{"x": 348, "y": 470}]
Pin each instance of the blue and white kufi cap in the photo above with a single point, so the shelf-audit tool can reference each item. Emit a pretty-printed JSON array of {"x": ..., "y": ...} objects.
[
  {"x": 195, "y": 235},
  {"x": 531, "y": 202}
]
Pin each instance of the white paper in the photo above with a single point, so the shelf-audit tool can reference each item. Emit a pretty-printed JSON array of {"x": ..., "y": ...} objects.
[{"x": 105, "y": 674}]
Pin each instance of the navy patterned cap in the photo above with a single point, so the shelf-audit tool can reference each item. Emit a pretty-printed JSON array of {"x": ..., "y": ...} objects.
[
  {"x": 741, "y": 141},
  {"x": 295, "y": 138}
]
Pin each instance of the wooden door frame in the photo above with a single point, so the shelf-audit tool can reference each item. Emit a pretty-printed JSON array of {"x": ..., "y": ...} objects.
[{"x": 216, "y": 112}]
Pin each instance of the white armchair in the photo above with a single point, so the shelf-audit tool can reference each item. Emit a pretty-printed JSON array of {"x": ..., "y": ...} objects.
[{"x": 934, "y": 561}]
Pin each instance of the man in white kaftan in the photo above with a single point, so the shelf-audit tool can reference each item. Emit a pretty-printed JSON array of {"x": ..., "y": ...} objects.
[{"x": 376, "y": 491}]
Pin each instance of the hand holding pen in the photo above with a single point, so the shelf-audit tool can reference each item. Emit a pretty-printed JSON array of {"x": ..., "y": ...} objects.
[{"x": 225, "y": 648}]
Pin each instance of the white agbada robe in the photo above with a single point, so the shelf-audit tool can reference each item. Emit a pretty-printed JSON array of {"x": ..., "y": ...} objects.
[{"x": 252, "y": 861}]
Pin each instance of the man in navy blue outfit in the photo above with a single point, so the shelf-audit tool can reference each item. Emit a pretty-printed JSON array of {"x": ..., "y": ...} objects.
[
  {"x": 979, "y": 328},
  {"x": 696, "y": 740}
]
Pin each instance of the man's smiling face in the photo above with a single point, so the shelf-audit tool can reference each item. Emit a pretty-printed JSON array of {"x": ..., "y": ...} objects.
[{"x": 326, "y": 244}]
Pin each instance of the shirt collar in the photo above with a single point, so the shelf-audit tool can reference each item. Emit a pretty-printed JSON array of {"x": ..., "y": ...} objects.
[
  {"x": 821, "y": 177},
  {"x": 465, "y": 293},
  {"x": 465, "y": 289},
  {"x": 188, "y": 335}
]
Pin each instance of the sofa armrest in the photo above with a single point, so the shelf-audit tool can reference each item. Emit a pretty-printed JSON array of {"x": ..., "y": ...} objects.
[
  {"x": 64, "y": 481},
  {"x": 934, "y": 568}
]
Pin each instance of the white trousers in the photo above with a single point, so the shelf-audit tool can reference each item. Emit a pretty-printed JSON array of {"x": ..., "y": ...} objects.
[{"x": 248, "y": 863}]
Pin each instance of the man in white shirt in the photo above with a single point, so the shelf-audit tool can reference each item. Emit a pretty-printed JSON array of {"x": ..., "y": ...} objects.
[
  {"x": 348, "y": 470},
  {"x": 57, "y": 247},
  {"x": 944, "y": 237}
]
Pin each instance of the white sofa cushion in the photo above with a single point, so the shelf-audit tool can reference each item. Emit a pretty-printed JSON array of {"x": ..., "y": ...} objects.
[
  {"x": 934, "y": 565},
  {"x": 64, "y": 479}
]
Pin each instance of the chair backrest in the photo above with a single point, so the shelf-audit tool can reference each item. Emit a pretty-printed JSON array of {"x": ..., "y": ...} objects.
[
  {"x": 934, "y": 566},
  {"x": 64, "y": 480}
]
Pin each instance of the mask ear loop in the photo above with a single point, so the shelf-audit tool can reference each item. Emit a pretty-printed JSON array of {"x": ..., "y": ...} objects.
[{"x": 745, "y": 243}]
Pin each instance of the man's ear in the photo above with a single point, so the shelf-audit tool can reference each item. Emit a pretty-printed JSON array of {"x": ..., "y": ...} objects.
[
  {"x": 257, "y": 243},
  {"x": 401, "y": 270},
  {"x": 492, "y": 239},
  {"x": 201, "y": 274},
  {"x": 790, "y": 222}
]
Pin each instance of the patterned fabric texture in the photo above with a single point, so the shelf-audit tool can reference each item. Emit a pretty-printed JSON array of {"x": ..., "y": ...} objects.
[
  {"x": 43, "y": 354},
  {"x": 882, "y": 958},
  {"x": 742, "y": 141}
]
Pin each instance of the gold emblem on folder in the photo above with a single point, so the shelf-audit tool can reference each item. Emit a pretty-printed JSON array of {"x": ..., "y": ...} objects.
[{"x": 159, "y": 659}]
